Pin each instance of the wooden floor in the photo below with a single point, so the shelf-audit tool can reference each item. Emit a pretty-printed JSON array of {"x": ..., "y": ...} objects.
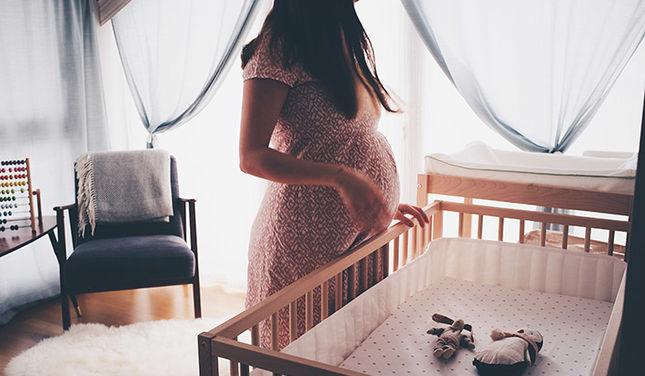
[{"x": 113, "y": 308}]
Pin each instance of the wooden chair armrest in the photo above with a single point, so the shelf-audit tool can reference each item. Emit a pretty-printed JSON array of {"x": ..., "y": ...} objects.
[{"x": 64, "y": 207}]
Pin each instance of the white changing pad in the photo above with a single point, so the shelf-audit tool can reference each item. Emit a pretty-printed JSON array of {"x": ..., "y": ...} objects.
[
  {"x": 477, "y": 160},
  {"x": 572, "y": 328}
]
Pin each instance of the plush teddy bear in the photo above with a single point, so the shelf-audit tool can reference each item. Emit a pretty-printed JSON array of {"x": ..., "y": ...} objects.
[
  {"x": 510, "y": 353},
  {"x": 450, "y": 338}
]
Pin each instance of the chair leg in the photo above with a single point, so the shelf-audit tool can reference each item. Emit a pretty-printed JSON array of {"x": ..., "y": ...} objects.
[
  {"x": 77, "y": 308},
  {"x": 197, "y": 299},
  {"x": 65, "y": 311}
]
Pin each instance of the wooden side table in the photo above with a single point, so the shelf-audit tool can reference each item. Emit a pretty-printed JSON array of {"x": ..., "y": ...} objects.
[{"x": 11, "y": 241}]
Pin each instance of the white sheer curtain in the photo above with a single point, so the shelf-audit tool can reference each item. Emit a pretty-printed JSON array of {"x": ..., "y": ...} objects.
[
  {"x": 175, "y": 54},
  {"x": 52, "y": 109},
  {"x": 534, "y": 71}
]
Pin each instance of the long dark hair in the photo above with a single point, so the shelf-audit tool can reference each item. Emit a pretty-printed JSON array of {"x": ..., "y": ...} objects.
[{"x": 328, "y": 40}]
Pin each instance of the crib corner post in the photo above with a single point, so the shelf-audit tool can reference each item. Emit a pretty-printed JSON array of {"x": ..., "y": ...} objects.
[
  {"x": 207, "y": 366},
  {"x": 422, "y": 190}
]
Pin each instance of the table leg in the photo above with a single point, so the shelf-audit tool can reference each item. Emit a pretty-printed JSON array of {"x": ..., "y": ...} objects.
[{"x": 64, "y": 302}]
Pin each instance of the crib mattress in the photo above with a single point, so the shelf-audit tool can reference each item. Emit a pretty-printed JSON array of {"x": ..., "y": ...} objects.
[
  {"x": 477, "y": 160},
  {"x": 572, "y": 328}
]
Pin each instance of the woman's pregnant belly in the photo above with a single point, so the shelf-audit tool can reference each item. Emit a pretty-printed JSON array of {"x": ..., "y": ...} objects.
[{"x": 367, "y": 152}]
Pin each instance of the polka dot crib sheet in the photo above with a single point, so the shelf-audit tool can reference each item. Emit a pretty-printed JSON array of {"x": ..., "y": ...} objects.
[{"x": 572, "y": 327}]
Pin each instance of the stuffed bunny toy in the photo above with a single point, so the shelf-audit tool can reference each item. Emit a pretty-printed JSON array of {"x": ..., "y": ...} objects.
[
  {"x": 510, "y": 353},
  {"x": 450, "y": 338}
]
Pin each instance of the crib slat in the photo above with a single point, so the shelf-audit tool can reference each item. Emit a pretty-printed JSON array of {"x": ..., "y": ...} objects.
[
  {"x": 351, "y": 280},
  {"x": 234, "y": 370},
  {"x": 428, "y": 233},
  {"x": 395, "y": 255},
  {"x": 437, "y": 230},
  {"x": 309, "y": 310},
  {"x": 234, "y": 367},
  {"x": 404, "y": 257},
  {"x": 255, "y": 335},
  {"x": 385, "y": 261},
  {"x": 565, "y": 236},
  {"x": 587, "y": 239},
  {"x": 244, "y": 370},
  {"x": 376, "y": 262},
  {"x": 461, "y": 225},
  {"x": 468, "y": 219},
  {"x": 521, "y": 231},
  {"x": 543, "y": 234},
  {"x": 422, "y": 239},
  {"x": 500, "y": 229},
  {"x": 414, "y": 243},
  {"x": 610, "y": 243},
  {"x": 293, "y": 321},
  {"x": 364, "y": 270},
  {"x": 480, "y": 226},
  {"x": 274, "y": 331},
  {"x": 324, "y": 300},
  {"x": 338, "y": 298}
]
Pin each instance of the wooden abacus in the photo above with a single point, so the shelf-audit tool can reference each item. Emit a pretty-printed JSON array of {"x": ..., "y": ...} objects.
[{"x": 16, "y": 196}]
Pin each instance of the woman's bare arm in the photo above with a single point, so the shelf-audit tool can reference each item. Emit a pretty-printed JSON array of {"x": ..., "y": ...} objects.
[{"x": 261, "y": 106}]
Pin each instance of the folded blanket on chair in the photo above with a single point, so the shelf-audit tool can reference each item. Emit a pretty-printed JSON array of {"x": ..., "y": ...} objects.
[{"x": 126, "y": 186}]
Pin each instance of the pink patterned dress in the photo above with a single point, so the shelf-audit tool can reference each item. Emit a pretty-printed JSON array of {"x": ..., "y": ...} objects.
[{"x": 302, "y": 227}]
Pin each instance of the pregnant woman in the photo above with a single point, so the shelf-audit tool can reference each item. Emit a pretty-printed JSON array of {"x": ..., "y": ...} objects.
[{"x": 312, "y": 102}]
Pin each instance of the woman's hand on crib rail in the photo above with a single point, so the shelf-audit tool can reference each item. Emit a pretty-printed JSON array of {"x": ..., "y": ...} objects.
[{"x": 414, "y": 211}]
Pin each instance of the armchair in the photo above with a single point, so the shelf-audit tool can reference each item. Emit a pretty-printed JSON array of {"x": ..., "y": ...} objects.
[{"x": 129, "y": 255}]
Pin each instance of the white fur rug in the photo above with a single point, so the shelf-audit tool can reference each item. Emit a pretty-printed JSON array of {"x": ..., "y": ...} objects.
[{"x": 167, "y": 347}]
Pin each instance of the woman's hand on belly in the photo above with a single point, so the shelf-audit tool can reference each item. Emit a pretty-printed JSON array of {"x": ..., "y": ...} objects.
[{"x": 364, "y": 200}]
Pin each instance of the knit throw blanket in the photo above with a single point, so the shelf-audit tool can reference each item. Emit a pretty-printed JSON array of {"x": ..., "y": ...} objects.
[{"x": 126, "y": 186}]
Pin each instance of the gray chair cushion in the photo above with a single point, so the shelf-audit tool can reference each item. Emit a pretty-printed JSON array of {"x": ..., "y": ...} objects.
[{"x": 129, "y": 262}]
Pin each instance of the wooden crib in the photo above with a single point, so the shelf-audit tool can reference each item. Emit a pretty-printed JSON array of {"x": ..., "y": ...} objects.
[{"x": 397, "y": 246}]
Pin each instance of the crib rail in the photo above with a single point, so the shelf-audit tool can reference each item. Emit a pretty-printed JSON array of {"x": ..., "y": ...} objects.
[
  {"x": 398, "y": 244},
  {"x": 567, "y": 221},
  {"x": 523, "y": 193}
]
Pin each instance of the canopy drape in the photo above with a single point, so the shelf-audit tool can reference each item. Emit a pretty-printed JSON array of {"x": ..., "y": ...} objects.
[
  {"x": 175, "y": 54},
  {"x": 52, "y": 109},
  {"x": 535, "y": 71}
]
